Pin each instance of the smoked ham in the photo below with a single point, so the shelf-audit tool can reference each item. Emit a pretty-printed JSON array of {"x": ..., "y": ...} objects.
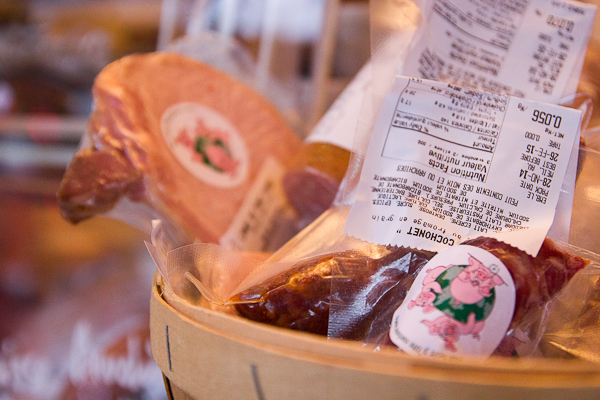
[{"x": 179, "y": 136}]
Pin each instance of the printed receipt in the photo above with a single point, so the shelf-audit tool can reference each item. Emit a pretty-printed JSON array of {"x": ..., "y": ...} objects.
[
  {"x": 445, "y": 164},
  {"x": 525, "y": 48}
]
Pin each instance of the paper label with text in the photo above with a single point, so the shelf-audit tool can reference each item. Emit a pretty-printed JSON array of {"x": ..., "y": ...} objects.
[
  {"x": 265, "y": 220},
  {"x": 525, "y": 48},
  {"x": 446, "y": 164}
]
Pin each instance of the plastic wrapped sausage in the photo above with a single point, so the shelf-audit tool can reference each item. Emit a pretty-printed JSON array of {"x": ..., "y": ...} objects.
[
  {"x": 300, "y": 299},
  {"x": 352, "y": 295}
]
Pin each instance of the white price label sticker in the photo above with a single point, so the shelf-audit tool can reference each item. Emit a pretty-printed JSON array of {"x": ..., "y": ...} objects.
[
  {"x": 445, "y": 164},
  {"x": 525, "y": 48}
]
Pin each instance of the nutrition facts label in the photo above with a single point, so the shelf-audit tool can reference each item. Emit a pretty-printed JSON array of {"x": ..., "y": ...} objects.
[
  {"x": 446, "y": 163},
  {"x": 523, "y": 48},
  {"x": 465, "y": 123}
]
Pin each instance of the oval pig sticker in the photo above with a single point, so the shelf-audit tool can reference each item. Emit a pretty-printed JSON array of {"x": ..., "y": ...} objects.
[
  {"x": 461, "y": 303},
  {"x": 206, "y": 144}
]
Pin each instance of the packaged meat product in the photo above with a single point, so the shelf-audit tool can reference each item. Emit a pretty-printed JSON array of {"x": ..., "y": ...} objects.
[
  {"x": 369, "y": 288},
  {"x": 312, "y": 185},
  {"x": 299, "y": 298},
  {"x": 573, "y": 329},
  {"x": 353, "y": 291},
  {"x": 182, "y": 142}
]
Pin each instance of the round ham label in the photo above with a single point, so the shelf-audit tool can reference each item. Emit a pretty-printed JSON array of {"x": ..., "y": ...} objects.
[
  {"x": 206, "y": 144},
  {"x": 461, "y": 303}
]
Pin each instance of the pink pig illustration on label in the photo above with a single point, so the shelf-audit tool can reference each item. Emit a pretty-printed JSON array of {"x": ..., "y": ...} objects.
[
  {"x": 449, "y": 329},
  {"x": 206, "y": 144},
  {"x": 209, "y": 147},
  {"x": 462, "y": 302},
  {"x": 474, "y": 283},
  {"x": 427, "y": 296},
  {"x": 465, "y": 294}
]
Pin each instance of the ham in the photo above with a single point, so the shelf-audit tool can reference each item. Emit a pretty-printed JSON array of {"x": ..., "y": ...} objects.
[{"x": 178, "y": 136}]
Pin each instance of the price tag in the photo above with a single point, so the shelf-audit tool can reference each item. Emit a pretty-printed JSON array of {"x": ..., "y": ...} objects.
[
  {"x": 533, "y": 49},
  {"x": 445, "y": 164}
]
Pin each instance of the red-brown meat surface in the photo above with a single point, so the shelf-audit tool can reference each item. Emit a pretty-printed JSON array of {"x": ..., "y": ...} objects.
[
  {"x": 367, "y": 291},
  {"x": 537, "y": 279}
]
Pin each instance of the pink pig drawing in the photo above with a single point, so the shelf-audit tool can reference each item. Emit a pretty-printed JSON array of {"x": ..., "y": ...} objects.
[
  {"x": 471, "y": 285},
  {"x": 450, "y": 329},
  {"x": 221, "y": 159},
  {"x": 426, "y": 298},
  {"x": 474, "y": 283}
]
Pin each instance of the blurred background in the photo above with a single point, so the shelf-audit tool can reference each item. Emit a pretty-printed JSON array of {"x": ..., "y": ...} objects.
[{"x": 74, "y": 298}]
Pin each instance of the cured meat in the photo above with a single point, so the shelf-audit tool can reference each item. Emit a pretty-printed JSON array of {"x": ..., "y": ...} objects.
[
  {"x": 178, "y": 136},
  {"x": 537, "y": 279},
  {"x": 300, "y": 298},
  {"x": 311, "y": 187},
  {"x": 368, "y": 290}
]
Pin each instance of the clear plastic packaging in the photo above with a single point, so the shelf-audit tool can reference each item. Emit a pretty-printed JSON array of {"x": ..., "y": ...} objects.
[
  {"x": 572, "y": 330},
  {"x": 179, "y": 140},
  {"x": 348, "y": 289}
]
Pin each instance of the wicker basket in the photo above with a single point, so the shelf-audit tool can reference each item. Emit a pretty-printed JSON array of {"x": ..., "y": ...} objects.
[{"x": 210, "y": 355}]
